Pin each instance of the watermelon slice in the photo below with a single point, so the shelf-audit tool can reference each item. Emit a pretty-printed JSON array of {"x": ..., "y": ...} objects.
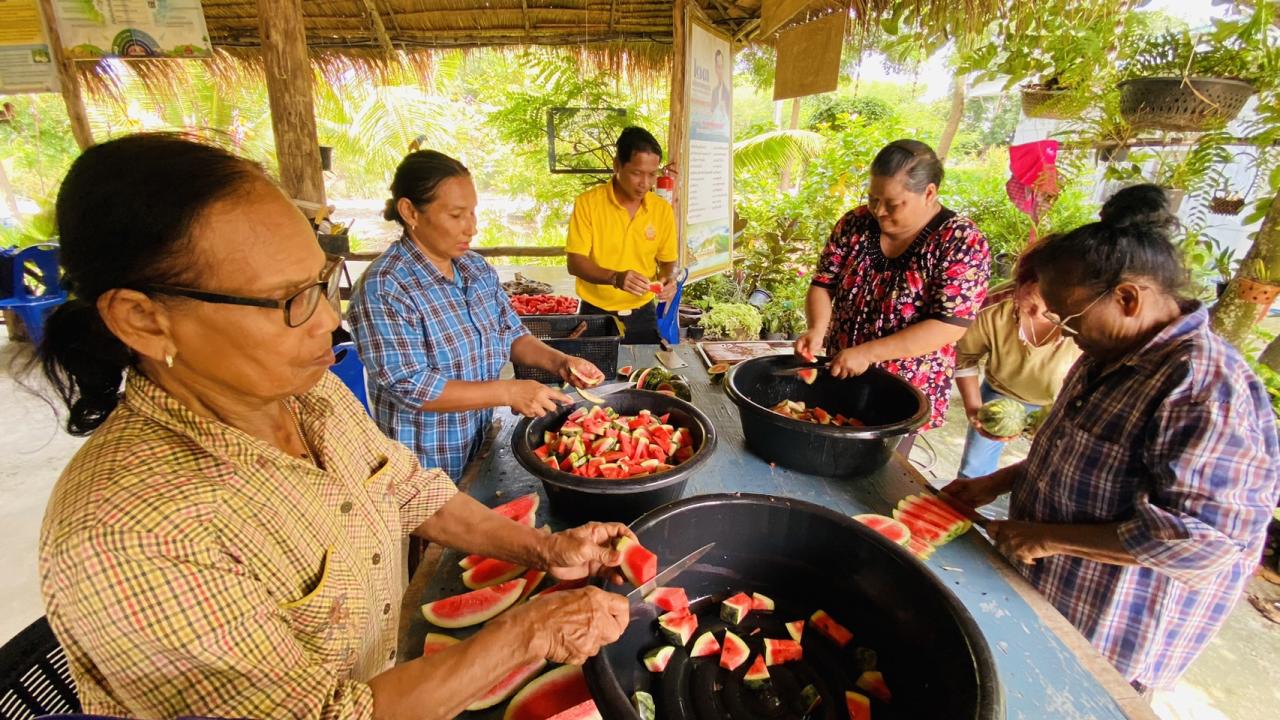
[
  {"x": 678, "y": 626},
  {"x": 491, "y": 572},
  {"x": 656, "y": 659},
  {"x": 807, "y": 375},
  {"x": 588, "y": 379},
  {"x": 474, "y": 607},
  {"x": 859, "y": 705},
  {"x": 735, "y": 609},
  {"x": 795, "y": 629},
  {"x": 644, "y": 705},
  {"x": 532, "y": 580},
  {"x": 942, "y": 508},
  {"x": 873, "y": 684},
  {"x": 566, "y": 585},
  {"x": 921, "y": 530},
  {"x": 668, "y": 599},
  {"x": 550, "y": 694},
  {"x": 507, "y": 686},
  {"x": 585, "y": 710},
  {"x": 920, "y": 548},
  {"x": 655, "y": 287},
  {"x": 758, "y": 674},
  {"x": 733, "y": 652},
  {"x": 936, "y": 512},
  {"x": 638, "y": 564},
  {"x": 705, "y": 645},
  {"x": 777, "y": 652},
  {"x": 436, "y": 642},
  {"x": 834, "y": 631},
  {"x": 625, "y": 371},
  {"x": 886, "y": 526},
  {"x": 761, "y": 603},
  {"x": 518, "y": 509}
]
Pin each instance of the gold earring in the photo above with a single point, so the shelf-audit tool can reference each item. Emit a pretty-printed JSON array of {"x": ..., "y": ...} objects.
[{"x": 168, "y": 360}]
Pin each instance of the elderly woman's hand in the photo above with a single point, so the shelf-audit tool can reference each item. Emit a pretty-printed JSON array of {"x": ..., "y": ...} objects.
[
  {"x": 585, "y": 550},
  {"x": 533, "y": 399},
  {"x": 809, "y": 345},
  {"x": 572, "y": 625},
  {"x": 586, "y": 371},
  {"x": 850, "y": 362}
]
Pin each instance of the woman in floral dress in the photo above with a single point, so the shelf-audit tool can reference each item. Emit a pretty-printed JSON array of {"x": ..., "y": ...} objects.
[{"x": 900, "y": 279}]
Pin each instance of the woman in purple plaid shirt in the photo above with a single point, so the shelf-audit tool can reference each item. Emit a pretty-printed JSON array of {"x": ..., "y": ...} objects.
[{"x": 1142, "y": 508}]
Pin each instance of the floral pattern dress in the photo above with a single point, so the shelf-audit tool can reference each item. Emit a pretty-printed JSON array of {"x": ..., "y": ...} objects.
[{"x": 942, "y": 275}]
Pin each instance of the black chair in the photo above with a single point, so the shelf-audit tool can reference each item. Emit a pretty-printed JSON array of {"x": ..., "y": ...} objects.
[{"x": 34, "y": 677}]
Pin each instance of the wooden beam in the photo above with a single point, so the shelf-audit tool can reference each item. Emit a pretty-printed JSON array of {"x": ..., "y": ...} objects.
[
  {"x": 68, "y": 80},
  {"x": 613, "y": 8},
  {"x": 289, "y": 77},
  {"x": 379, "y": 30},
  {"x": 524, "y": 14},
  {"x": 679, "y": 111}
]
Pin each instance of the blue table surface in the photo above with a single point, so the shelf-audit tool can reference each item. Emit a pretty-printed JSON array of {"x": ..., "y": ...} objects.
[{"x": 1042, "y": 677}]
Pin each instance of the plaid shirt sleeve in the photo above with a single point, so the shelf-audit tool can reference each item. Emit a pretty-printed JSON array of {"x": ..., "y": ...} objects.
[
  {"x": 395, "y": 352},
  {"x": 181, "y": 628},
  {"x": 1213, "y": 480}
]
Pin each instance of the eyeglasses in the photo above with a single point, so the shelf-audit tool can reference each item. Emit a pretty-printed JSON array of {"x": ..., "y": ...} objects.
[
  {"x": 298, "y": 307},
  {"x": 1061, "y": 322}
]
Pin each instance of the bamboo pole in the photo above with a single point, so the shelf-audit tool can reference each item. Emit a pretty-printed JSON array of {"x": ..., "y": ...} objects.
[
  {"x": 678, "y": 121},
  {"x": 288, "y": 73},
  {"x": 68, "y": 80}
]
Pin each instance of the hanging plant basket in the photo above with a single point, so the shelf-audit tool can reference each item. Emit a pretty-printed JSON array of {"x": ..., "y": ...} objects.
[
  {"x": 1226, "y": 204},
  {"x": 1257, "y": 293},
  {"x": 1049, "y": 104},
  {"x": 1192, "y": 104}
]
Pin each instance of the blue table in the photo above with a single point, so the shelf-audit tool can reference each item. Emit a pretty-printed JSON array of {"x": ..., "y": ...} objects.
[{"x": 1047, "y": 669}]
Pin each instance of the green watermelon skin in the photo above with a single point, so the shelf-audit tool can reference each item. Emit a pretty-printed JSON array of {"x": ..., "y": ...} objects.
[{"x": 1003, "y": 417}]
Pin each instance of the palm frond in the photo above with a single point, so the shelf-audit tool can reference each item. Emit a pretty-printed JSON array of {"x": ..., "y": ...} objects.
[{"x": 771, "y": 151}]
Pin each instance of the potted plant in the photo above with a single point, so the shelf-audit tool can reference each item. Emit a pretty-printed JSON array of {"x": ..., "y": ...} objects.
[
  {"x": 732, "y": 321},
  {"x": 782, "y": 320},
  {"x": 1178, "y": 170}
]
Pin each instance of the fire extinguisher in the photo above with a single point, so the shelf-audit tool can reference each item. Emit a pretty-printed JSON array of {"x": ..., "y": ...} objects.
[{"x": 667, "y": 189}]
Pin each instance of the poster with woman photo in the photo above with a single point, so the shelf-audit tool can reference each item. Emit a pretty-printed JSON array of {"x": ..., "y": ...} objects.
[{"x": 708, "y": 206}]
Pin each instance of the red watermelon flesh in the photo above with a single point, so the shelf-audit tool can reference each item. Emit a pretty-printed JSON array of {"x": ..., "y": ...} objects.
[
  {"x": 926, "y": 508},
  {"x": 859, "y": 705},
  {"x": 550, "y": 694},
  {"x": 834, "y": 631},
  {"x": 532, "y": 579},
  {"x": 920, "y": 548},
  {"x": 656, "y": 659},
  {"x": 518, "y": 509},
  {"x": 796, "y": 630},
  {"x": 582, "y": 711},
  {"x": 923, "y": 532},
  {"x": 435, "y": 642},
  {"x": 507, "y": 685},
  {"x": 491, "y": 572},
  {"x": 942, "y": 508},
  {"x": 566, "y": 585},
  {"x": 758, "y": 674},
  {"x": 761, "y": 603},
  {"x": 808, "y": 375},
  {"x": 474, "y": 607},
  {"x": 872, "y": 682},
  {"x": 638, "y": 564},
  {"x": 733, "y": 652},
  {"x": 886, "y": 526},
  {"x": 705, "y": 645},
  {"x": 777, "y": 652},
  {"x": 678, "y": 626},
  {"x": 910, "y": 514},
  {"x": 668, "y": 599}
]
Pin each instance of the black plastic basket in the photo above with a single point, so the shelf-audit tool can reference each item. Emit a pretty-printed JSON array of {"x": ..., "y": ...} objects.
[{"x": 599, "y": 344}]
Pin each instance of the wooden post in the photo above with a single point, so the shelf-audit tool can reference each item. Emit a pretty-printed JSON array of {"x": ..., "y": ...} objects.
[
  {"x": 288, "y": 70},
  {"x": 679, "y": 113},
  {"x": 68, "y": 80},
  {"x": 954, "y": 117}
]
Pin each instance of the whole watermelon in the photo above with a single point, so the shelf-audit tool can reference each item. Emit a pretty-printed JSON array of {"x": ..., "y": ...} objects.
[
  {"x": 1003, "y": 417},
  {"x": 1036, "y": 419}
]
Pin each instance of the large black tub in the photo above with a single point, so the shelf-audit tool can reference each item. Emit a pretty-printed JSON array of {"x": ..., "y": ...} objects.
[
  {"x": 933, "y": 656},
  {"x": 579, "y": 499},
  {"x": 889, "y": 406}
]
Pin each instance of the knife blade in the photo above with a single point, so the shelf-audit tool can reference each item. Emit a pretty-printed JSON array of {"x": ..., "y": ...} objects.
[
  {"x": 636, "y": 596},
  {"x": 807, "y": 366},
  {"x": 602, "y": 390},
  {"x": 969, "y": 513}
]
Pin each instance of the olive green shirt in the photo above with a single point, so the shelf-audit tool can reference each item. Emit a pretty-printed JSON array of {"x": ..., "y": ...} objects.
[{"x": 1013, "y": 366}]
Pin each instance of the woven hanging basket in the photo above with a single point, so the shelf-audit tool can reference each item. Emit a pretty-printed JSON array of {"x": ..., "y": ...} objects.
[
  {"x": 1220, "y": 205},
  {"x": 1048, "y": 104},
  {"x": 1191, "y": 104}
]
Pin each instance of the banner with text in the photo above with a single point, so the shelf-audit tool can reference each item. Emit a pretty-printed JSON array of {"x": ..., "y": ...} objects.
[
  {"x": 708, "y": 173},
  {"x": 26, "y": 65},
  {"x": 133, "y": 29}
]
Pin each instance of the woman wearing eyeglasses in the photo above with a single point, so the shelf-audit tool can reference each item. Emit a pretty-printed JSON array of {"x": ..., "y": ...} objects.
[
  {"x": 1143, "y": 505},
  {"x": 900, "y": 279},
  {"x": 434, "y": 328},
  {"x": 228, "y": 541}
]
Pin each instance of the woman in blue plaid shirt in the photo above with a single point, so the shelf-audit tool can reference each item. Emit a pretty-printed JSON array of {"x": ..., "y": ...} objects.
[
  {"x": 433, "y": 326},
  {"x": 1142, "y": 508}
]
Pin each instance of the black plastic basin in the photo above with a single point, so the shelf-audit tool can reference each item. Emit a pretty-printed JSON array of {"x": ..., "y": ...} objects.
[
  {"x": 889, "y": 406},
  {"x": 933, "y": 656},
  {"x": 578, "y": 499}
]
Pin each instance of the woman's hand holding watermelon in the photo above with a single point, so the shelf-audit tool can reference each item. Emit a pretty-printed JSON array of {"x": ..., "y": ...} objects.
[
  {"x": 810, "y": 344},
  {"x": 572, "y": 625},
  {"x": 585, "y": 550}
]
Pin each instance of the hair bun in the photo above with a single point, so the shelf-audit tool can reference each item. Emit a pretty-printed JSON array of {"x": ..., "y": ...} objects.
[
  {"x": 389, "y": 211},
  {"x": 1139, "y": 207}
]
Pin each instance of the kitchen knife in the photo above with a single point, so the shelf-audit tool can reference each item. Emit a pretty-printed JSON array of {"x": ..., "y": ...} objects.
[
  {"x": 969, "y": 513},
  {"x": 601, "y": 390},
  {"x": 636, "y": 596},
  {"x": 807, "y": 366}
]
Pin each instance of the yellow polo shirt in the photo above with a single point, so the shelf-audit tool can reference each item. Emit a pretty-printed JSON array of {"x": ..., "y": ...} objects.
[{"x": 604, "y": 231}]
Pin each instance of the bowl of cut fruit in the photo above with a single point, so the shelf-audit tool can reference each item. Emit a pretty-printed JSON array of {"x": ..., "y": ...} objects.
[
  {"x": 618, "y": 459},
  {"x": 803, "y": 418}
]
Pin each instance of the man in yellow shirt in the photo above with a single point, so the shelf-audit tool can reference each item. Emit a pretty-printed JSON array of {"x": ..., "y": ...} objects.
[{"x": 622, "y": 238}]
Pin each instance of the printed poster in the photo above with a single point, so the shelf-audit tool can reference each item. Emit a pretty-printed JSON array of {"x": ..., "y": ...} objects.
[
  {"x": 708, "y": 178},
  {"x": 26, "y": 65},
  {"x": 94, "y": 29}
]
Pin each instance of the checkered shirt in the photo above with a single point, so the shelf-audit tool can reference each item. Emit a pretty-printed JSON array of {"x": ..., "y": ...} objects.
[
  {"x": 1177, "y": 443},
  {"x": 415, "y": 330},
  {"x": 190, "y": 569}
]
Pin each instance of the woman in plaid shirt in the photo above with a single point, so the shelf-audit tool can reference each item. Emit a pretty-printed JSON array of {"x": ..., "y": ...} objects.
[
  {"x": 228, "y": 541},
  {"x": 1143, "y": 505}
]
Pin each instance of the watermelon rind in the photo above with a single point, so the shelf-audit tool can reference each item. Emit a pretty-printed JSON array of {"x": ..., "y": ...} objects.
[
  {"x": 483, "y": 604},
  {"x": 1003, "y": 417},
  {"x": 872, "y": 683},
  {"x": 507, "y": 686},
  {"x": 678, "y": 626},
  {"x": 540, "y": 699},
  {"x": 758, "y": 674},
  {"x": 656, "y": 659},
  {"x": 435, "y": 642},
  {"x": 704, "y": 646},
  {"x": 892, "y": 529},
  {"x": 795, "y": 629},
  {"x": 735, "y": 609},
  {"x": 733, "y": 652},
  {"x": 761, "y": 603},
  {"x": 829, "y": 628},
  {"x": 644, "y": 705},
  {"x": 668, "y": 599}
]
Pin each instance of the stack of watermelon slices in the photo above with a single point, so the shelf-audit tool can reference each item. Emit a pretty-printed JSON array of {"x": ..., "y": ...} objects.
[
  {"x": 923, "y": 523},
  {"x": 600, "y": 443}
]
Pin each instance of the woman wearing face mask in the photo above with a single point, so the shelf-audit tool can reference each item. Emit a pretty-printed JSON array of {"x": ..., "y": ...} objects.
[
  {"x": 1142, "y": 508},
  {"x": 1023, "y": 356},
  {"x": 434, "y": 327},
  {"x": 900, "y": 279}
]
